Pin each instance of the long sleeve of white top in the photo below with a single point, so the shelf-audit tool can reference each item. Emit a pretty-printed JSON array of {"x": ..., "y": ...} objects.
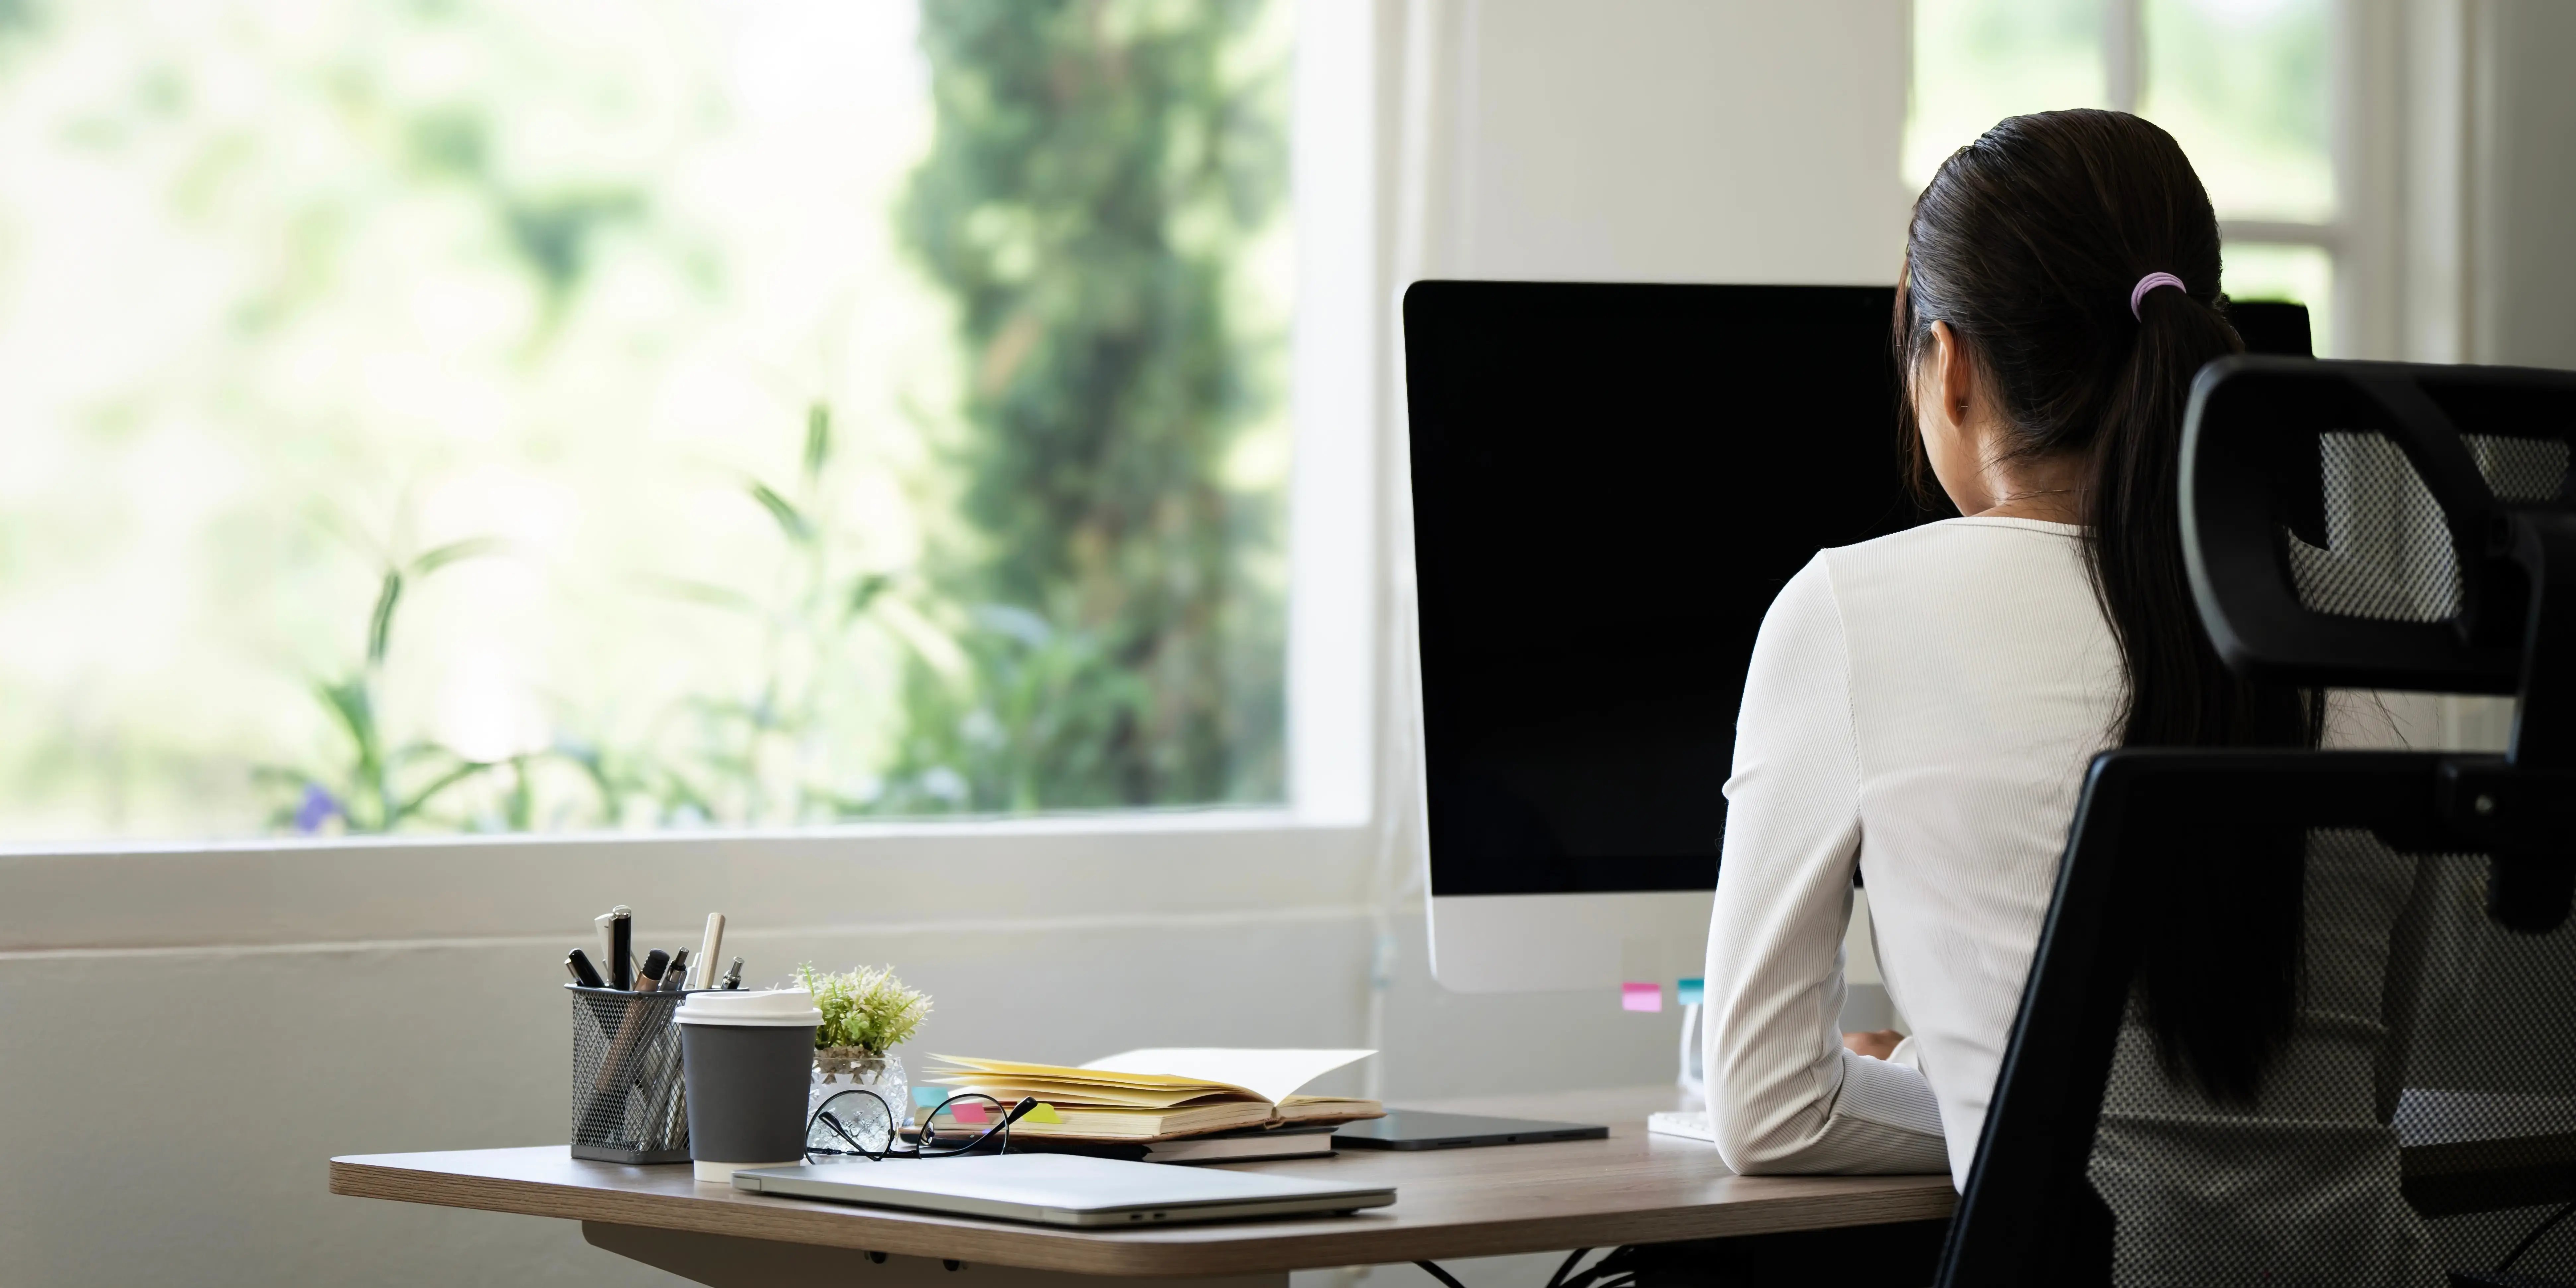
[{"x": 1784, "y": 1094}]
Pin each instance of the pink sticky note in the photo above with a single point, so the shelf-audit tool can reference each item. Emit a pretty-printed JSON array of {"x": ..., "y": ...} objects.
[
  {"x": 969, "y": 1112},
  {"x": 1641, "y": 997}
]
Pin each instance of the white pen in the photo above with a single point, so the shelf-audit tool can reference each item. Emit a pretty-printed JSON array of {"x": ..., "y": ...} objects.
[
  {"x": 607, "y": 944},
  {"x": 702, "y": 968}
]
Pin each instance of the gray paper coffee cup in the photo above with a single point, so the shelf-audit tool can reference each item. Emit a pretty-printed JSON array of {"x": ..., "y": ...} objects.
[{"x": 748, "y": 1058}]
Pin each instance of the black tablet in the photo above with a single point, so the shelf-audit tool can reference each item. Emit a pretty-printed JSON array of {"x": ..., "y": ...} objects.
[{"x": 1423, "y": 1129}]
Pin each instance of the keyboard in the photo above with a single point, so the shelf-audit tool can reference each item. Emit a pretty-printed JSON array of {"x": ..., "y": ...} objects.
[{"x": 1673, "y": 1123}]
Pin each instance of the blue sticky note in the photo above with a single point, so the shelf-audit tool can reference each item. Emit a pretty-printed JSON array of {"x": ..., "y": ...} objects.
[
  {"x": 1691, "y": 992},
  {"x": 929, "y": 1097}
]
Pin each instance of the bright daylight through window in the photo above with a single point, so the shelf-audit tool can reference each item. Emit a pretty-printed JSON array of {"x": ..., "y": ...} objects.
[
  {"x": 2243, "y": 85},
  {"x": 451, "y": 415}
]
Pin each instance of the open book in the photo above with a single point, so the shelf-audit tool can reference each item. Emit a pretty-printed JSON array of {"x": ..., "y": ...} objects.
[{"x": 1162, "y": 1094}]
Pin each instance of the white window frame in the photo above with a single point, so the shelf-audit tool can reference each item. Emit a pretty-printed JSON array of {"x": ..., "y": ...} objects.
[
  {"x": 2124, "y": 79},
  {"x": 1306, "y": 858}
]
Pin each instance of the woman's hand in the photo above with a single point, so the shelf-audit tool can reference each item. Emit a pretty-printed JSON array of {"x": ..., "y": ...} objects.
[{"x": 1877, "y": 1046}]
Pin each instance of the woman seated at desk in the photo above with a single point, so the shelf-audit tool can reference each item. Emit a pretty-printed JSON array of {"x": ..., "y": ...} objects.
[{"x": 1921, "y": 708}]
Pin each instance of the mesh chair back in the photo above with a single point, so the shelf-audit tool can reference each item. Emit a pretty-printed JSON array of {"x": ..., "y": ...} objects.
[
  {"x": 2348, "y": 525},
  {"x": 2351, "y": 523}
]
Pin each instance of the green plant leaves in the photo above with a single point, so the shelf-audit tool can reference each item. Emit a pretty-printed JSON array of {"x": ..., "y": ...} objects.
[
  {"x": 380, "y": 623},
  {"x": 370, "y": 799},
  {"x": 863, "y": 592},
  {"x": 791, "y": 520},
  {"x": 349, "y": 701},
  {"x": 866, "y": 1008},
  {"x": 455, "y": 551},
  {"x": 818, "y": 440},
  {"x": 702, "y": 592}
]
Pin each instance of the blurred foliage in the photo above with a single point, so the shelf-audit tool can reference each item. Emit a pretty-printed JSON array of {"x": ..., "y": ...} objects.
[
  {"x": 744, "y": 757},
  {"x": 1036, "y": 721},
  {"x": 1097, "y": 168},
  {"x": 747, "y": 759},
  {"x": 18, "y": 18},
  {"x": 1979, "y": 61},
  {"x": 871, "y": 433},
  {"x": 551, "y": 229},
  {"x": 2243, "y": 86},
  {"x": 380, "y": 784}
]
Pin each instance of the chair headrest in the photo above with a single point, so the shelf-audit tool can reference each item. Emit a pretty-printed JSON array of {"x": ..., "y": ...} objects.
[
  {"x": 2361, "y": 524},
  {"x": 2372, "y": 525}
]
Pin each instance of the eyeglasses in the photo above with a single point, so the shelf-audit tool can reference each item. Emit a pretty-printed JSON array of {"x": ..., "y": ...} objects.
[{"x": 858, "y": 1123}]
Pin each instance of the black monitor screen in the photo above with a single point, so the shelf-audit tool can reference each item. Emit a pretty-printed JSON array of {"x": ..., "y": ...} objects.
[
  {"x": 2272, "y": 326},
  {"x": 1610, "y": 484}
]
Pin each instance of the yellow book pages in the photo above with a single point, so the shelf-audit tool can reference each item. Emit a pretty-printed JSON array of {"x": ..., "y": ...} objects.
[
  {"x": 1262, "y": 1074},
  {"x": 1118, "y": 1098},
  {"x": 1085, "y": 1077},
  {"x": 1272, "y": 1074},
  {"x": 1007, "y": 1089}
]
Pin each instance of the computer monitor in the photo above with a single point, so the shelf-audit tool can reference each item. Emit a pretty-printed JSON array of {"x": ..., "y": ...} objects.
[
  {"x": 1610, "y": 484},
  {"x": 2272, "y": 326}
]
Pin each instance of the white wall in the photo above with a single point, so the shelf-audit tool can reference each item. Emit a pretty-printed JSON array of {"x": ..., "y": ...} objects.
[
  {"x": 2523, "y": 293},
  {"x": 190, "y": 1036},
  {"x": 1671, "y": 140},
  {"x": 185, "y": 1038}
]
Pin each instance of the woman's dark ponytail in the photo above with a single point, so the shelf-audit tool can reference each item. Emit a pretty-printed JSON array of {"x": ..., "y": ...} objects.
[
  {"x": 2180, "y": 695},
  {"x": 2029, "y": 243}
]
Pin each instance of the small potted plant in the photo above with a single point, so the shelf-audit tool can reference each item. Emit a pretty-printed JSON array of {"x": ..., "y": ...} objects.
[{"x": 866, "y": 1015}]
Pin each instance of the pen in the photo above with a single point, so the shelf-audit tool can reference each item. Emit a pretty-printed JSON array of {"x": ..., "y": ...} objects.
[
  {"x": 583, "y": 973},
  {"x": 733, "y": 975},
  {"x": 675, "y": 976},
  {"x": 708, "y": 946},
  {"x": 607, "y": 1096},
  {"x": 607, "y": 943},
  {"x": 621, "y": 946},
  {"x": 648, "y": 977}
]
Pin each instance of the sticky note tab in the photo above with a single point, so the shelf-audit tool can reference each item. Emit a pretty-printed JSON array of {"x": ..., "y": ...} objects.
[
  {"x": 929, "y": 1097},
  {"x": 1641, "y": 997},
  {"x": 1691, "y": 992},
  {"x": 1044, "y": 1113},
  {"x": 969, "y": 1112}
]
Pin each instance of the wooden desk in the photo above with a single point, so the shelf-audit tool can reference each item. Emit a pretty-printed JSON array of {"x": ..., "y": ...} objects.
[
  {"x": 1631, "y": 1188},
  {"x": 2476, "y": 1151}
]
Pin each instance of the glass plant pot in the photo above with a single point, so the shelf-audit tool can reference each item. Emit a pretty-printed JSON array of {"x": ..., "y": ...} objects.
[{"x": 838, "y": 1069}]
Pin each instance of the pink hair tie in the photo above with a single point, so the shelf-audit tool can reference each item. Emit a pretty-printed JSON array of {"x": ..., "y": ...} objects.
[{"x": 2150, "y": 282}]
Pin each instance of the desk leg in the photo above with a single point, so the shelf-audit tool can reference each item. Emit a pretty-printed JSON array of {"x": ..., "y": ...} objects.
[{"x": 728, "y": 1261}]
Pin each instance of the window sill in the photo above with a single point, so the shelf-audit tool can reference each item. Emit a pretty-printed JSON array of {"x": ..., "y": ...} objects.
[{"x": 304, "y": 894}]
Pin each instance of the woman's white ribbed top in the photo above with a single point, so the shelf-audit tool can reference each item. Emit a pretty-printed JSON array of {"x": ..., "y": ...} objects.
[{"x": 1921, "y": 708}]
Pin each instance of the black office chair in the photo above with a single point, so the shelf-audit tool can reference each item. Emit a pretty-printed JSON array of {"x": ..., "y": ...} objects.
[{"x": 2348, "y": 525}]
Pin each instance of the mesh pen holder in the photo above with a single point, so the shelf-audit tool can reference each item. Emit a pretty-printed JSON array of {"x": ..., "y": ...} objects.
[{"x": 629, "y": 1104}]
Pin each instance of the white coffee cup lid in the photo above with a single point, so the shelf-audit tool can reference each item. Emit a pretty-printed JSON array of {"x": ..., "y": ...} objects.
[{"x": 760, "y": 1008}]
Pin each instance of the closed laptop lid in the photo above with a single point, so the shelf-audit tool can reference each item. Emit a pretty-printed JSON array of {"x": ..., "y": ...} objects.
[{"x": 1061, "y": 1182}]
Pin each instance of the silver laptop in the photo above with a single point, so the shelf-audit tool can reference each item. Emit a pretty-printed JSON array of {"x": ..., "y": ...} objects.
[{"x": 1063, "y": 1189}]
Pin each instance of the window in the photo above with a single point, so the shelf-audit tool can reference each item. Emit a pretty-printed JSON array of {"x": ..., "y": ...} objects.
[
  {"x": 2243, "y": 85},
  {"x": 463, "y": 415}
]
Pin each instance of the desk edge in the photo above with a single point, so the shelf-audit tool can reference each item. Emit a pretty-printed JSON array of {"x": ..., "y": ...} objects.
[{"x": 1349, "y": 1241}]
